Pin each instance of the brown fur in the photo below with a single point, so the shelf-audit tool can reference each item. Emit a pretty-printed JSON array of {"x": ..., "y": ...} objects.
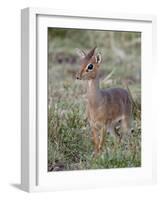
[{"x": 105, "y": 108}]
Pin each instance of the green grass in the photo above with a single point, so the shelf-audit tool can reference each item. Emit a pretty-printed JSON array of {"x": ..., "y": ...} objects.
[{"x": 69, "y": 137}]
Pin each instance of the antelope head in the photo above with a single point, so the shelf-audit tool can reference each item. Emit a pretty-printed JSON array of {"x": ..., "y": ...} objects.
[{"x": 90, "y": 63}]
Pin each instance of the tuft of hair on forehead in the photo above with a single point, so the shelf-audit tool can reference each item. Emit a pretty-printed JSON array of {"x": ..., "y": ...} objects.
[{"x": 90, "y": 54}]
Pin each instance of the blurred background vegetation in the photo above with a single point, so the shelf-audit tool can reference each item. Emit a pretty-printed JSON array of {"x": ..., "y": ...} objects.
[{"x": 69, "y": 137}]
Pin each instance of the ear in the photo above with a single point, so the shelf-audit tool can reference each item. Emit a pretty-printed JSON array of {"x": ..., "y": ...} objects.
[
  {"x": 81, "y": 53},
  {"x": 98, "y": 58}
]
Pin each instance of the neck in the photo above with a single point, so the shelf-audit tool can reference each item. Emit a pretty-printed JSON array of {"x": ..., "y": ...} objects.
[{"x": 93, "y": 92}]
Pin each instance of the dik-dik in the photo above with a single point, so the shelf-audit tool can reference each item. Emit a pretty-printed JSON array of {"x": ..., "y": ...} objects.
[{"x": 106, "y": 109}]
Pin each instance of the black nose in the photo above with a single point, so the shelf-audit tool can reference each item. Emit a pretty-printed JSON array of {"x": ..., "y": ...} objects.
[{"x": 77, "y": 76}]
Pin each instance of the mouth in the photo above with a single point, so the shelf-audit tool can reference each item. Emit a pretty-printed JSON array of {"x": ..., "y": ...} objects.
[{"x": 80, "y": 77}]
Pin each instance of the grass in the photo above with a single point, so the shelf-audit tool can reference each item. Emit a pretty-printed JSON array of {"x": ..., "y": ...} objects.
[{"x": 69, "y": 138}]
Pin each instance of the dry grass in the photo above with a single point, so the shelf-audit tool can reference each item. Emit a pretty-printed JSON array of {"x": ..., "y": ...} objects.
[{"x": 69, "y": 139}]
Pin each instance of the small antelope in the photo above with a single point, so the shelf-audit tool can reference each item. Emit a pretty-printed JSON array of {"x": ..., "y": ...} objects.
[{"x": 106, "y": 109}]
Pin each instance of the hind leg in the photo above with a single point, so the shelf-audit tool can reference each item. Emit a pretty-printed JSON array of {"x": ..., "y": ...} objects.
[
  {"x": 122, "y": 128},
  {"x": 125, "y": 128}
]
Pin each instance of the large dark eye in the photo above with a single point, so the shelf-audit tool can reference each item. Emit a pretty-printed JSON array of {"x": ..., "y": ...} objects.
[{"x": 90, "y": 67}]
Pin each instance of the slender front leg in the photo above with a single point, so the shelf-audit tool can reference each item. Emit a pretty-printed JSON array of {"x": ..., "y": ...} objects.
[
  {"x": 102, "y": 138},
  {"x": 95, "y": 141}
]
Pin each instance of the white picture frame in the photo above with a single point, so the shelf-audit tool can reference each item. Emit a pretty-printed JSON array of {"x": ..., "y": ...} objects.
[{"x": 34, "y": 175}]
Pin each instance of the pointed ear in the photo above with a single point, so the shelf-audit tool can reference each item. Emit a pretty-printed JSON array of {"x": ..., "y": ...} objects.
[
  {"x": 81, "y": 53},
  {"x": 98, "y": 58}
]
